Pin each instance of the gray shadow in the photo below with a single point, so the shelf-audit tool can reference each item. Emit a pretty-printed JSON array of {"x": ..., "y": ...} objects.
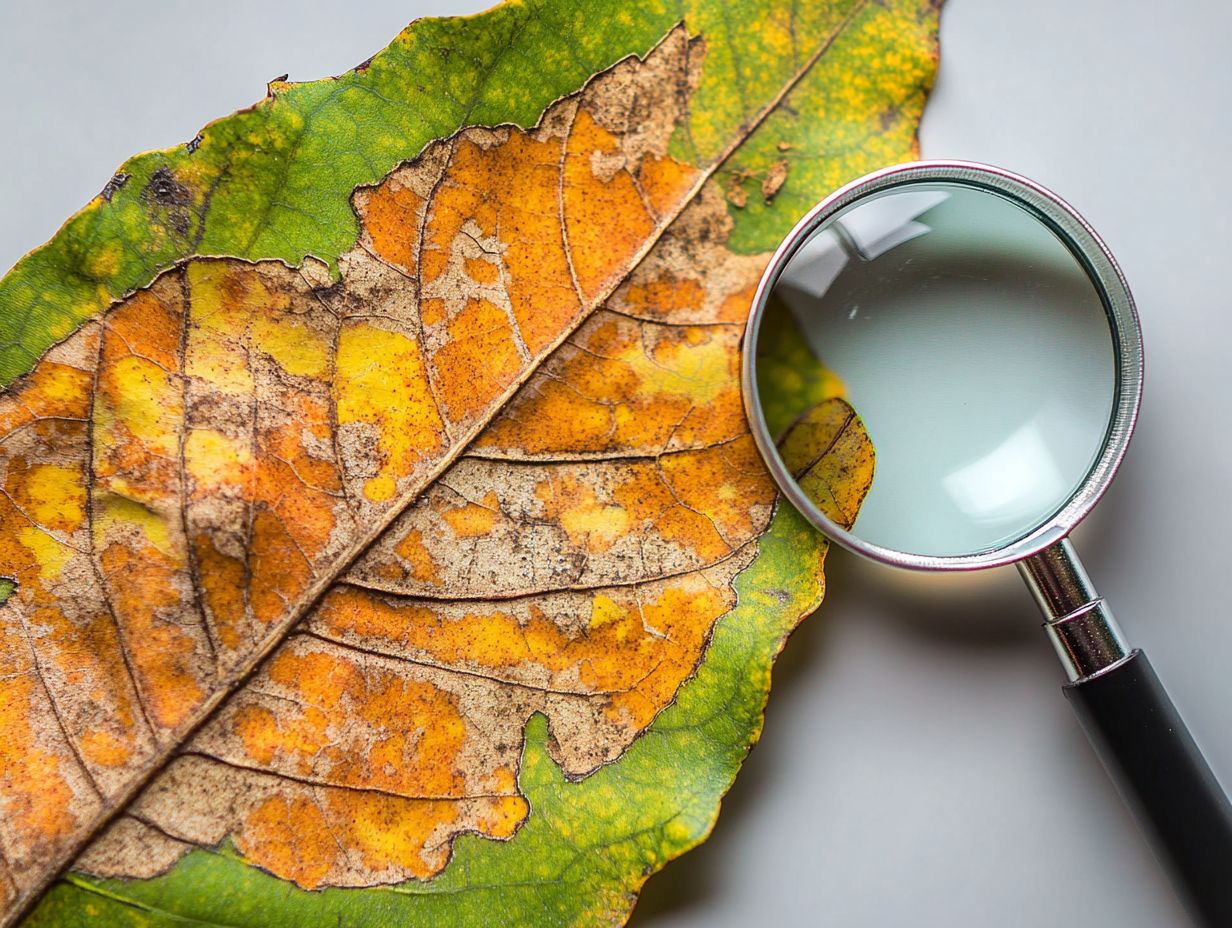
[
  {"x": 988, "y": 617},
  {"x": 695, "y": 878}
]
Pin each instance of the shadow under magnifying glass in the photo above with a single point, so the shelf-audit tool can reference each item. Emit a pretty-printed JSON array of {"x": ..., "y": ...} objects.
[{"x": 985, "y": 614}]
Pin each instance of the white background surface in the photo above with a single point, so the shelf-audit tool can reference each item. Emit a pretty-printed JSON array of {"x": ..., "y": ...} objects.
[{"x": 919, "y": 765}]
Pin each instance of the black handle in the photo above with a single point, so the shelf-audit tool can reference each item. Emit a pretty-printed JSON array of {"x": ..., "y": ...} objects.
[{"x": 1145, "y": 746}]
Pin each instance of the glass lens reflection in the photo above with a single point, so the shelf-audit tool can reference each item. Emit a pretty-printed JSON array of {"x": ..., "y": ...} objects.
[{"x": 977, "y": 351}]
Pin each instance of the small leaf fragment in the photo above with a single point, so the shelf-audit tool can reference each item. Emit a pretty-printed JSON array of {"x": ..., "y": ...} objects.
[
  {"x": 774, "y": 180},
  {"x": 831, "y": 457}
]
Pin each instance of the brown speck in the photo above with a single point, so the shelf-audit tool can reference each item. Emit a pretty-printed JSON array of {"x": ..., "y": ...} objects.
[
  {"x": 783, "y": 146},
  {"x": 117, "y": 181},
  {"x": 774, "y": 180},
  {"x": 164, "y": 190}
]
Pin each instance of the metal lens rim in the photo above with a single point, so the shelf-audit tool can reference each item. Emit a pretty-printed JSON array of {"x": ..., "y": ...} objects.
[{"x": 1102, "y": 268}]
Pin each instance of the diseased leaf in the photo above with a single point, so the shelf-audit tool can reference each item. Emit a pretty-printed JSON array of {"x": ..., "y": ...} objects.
[
  {"x": 302, "y": 544},
  {"x": 829, "y": 455}
]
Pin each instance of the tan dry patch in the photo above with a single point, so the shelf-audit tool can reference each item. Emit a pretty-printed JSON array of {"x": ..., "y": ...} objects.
[{"x": 572, "y": 525}]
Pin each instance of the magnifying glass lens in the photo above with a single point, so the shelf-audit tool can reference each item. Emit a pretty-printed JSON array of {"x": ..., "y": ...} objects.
[{"x": 976, "y": 349}]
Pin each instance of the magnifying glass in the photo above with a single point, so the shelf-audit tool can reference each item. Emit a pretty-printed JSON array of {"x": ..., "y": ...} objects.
[{"x": 989, "y": 346}]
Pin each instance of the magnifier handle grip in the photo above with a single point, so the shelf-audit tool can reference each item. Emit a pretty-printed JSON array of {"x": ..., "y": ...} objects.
[{"x": 1162, "y": 775}]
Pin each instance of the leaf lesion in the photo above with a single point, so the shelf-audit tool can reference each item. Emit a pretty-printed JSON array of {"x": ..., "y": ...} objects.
[{"x": 415, "y": 427}]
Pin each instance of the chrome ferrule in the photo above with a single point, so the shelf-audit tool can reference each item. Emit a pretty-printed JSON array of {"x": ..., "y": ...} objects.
[{"x": 1079, "y": 623}]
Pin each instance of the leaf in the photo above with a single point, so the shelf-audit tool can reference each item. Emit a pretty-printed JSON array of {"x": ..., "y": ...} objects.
[
  {"x": 300, "y": 544},
  {"x": 830, "y": 456},
  {"x": 792, "y": 382}
]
